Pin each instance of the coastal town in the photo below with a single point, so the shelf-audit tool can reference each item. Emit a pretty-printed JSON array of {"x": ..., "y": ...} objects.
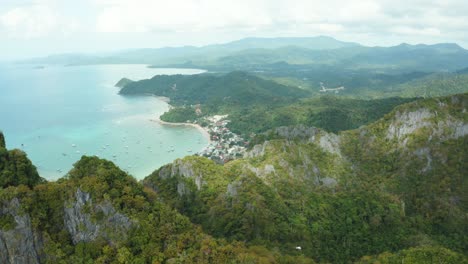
[{"x": 224, "y": 144}]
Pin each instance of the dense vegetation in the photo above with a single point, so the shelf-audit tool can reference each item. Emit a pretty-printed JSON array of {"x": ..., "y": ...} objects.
[
  {"x": 341, "y": 198},
  {"x": 382, "y": 179},
  {"x": 389, "y": 192},
  {"x": 255, "y": 105},
  {"x": 329, "y": 112},
  {"x": 131, "y": 223},
  {"x": 16, "y": 168},
  {"x": 221, "y": 91}
]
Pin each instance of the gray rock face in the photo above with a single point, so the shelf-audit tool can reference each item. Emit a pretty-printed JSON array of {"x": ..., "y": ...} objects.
[
  {"x": 19, "y": 245},
  {"x": 330, "y": 142},
  {"x": 262, "y": 173},
  {"x": 327, "y": 141},
  {"x": 460, "y": 130},
  {"x": 184, "y": 169},
  {"x": 83, "y": 229},
  {"x": 297, "y": 132},
  {"x": 182, "y": 189},
  {"x": 178, "y": 167},
  {"x": 232, "y": 189},
  {"x": 257, "y": 150},
  {"x": 408, "y": 122},
  {"x": 79, "y": 224}
]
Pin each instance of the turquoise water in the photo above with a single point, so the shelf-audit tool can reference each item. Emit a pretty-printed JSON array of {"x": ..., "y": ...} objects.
[{"x": 57, "y": 114}]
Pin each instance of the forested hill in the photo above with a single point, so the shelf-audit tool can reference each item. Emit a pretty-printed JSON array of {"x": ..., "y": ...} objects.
[
  {"x": 16, "y": 168},
  {"x": 99, "y": 214},
  {"x": 390, "y": 192},
  {"x": 393, "y": 191},
  {"x": 234, "y": 88}
]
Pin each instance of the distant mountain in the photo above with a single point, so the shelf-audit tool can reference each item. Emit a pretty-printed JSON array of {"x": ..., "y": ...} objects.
[
  {"x": 202, "y": 55},
  {"x": 251, "y": 54},
  {"x": 438, "y": 57},
  {"x": 402, "y": 58},
  {"x": 313, "y": 43}
]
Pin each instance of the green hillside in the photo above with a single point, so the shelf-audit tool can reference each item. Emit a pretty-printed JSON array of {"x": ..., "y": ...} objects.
[
  {"x": 99, "y": 214},
  {"x": 392, "y": 191},
  {"x": 15, "y": 167},
  {"x": 396, "y": 184},
  {"x": 232, "y": 89},
  {"x": 255, "y": 105}
]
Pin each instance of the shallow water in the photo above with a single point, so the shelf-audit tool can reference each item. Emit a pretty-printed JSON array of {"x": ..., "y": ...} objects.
[{"x": 57, "y": 114}]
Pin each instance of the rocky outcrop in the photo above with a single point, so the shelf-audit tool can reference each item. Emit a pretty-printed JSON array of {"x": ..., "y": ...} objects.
[
  {"x": 330, "y": 143},
  {"x": 262, "y": 173},
  {"x": 407, "y": 122},
  {"x": 178, "y": 167},
  {"x": 79, "y": 224},
  {"x": 182, "y": 168},
  {"x": 327, "y": 141},
  {"x": 257, "y": 150},
  {"x": 297, "y": 132},
  {"x": 82, "y": 228},
  {"x": 20, "y": 244}
]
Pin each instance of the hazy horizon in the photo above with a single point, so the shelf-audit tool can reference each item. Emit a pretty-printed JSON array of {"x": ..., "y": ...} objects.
[{"x": 36, "y": 28}]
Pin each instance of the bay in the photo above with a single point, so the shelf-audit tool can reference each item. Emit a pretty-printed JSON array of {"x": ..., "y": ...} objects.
[{"x": 56, "y": 114}]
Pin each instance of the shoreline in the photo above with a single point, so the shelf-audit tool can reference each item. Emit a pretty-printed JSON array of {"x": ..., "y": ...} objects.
[{"x": 204, "y": 131}]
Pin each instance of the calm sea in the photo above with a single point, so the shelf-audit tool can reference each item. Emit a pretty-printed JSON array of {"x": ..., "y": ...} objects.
[{"x": 57, "y": 114}]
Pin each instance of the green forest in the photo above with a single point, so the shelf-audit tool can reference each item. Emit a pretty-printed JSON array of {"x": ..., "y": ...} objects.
[
  {"x": 391, "y": 191},
  {"x": 355, "y": 154}
]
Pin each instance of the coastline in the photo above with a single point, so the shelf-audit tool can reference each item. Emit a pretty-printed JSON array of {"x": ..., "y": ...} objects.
[{"x": 197, "y": 126}]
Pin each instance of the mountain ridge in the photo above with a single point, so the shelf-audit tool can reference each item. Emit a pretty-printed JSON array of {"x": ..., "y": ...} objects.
[{"x": 390, "y": 190}]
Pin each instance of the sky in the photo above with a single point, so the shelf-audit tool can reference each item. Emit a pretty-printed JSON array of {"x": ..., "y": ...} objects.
[{"x": 31, "y": 28}]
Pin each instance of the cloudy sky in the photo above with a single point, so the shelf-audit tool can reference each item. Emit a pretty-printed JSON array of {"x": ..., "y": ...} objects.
[{"x": 40, "y": 27}]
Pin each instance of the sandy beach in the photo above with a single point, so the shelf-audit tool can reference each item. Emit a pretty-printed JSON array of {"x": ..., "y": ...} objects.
[{"x": 200, "y": 128}]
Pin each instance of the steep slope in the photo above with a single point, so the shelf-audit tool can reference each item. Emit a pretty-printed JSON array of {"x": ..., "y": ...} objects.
[
  {"x": 99, "y": 214},
  {"x": 397, "y": 183},
  {"x": 391, "y": 191},
  {"x": 16, "y": 168}
]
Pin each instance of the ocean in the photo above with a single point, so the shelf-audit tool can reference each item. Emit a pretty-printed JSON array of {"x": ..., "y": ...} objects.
[{"x": 56, "y": 114}]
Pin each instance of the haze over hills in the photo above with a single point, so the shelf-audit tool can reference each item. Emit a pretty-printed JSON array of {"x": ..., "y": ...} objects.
[
  {"x": 257, "y": 52},
  {"x": 174, "y": 54}
]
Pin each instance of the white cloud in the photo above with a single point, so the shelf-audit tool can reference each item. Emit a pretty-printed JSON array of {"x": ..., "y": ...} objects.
[
  {"x": 87, "y": 24},
  {"x": 179, "y": 15},
  {"x": 28, "y": 22},
  {"x": 306, "y": 17}
]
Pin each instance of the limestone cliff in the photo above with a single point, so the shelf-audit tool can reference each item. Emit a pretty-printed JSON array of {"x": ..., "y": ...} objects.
[{"x": 19, "y": 244}]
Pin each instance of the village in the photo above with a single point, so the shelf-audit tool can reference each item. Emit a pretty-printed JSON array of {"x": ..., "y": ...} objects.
[{"x": 224, "y": 145}]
